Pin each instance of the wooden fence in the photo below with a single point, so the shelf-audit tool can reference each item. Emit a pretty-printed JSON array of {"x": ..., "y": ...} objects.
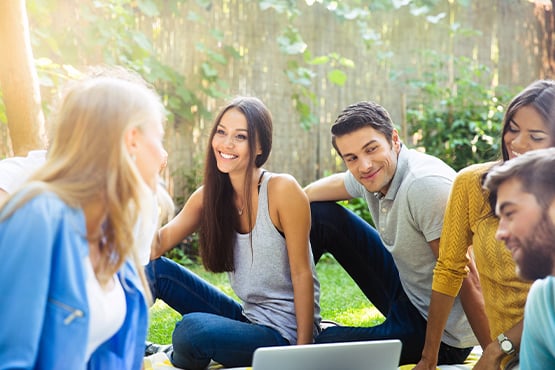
[{"x": 508, "y": 36}]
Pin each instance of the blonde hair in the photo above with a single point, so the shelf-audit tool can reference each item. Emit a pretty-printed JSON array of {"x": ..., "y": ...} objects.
[{"x": 88, "y": 160}]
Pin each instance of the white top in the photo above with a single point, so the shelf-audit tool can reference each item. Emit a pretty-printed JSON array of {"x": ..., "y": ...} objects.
[
  {"x": 15, "y": 170},
  {"x": 106, "y": 309},
  {"x": 145, "y": 230}
]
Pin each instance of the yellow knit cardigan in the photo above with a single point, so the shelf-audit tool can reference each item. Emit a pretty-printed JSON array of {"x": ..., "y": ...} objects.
[{"x": 469, "y": 221}]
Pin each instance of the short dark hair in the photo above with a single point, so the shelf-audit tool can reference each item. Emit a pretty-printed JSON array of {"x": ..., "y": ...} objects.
[
  {"x": 359, "y": 115},
  {"x": 535, "y": 169}
]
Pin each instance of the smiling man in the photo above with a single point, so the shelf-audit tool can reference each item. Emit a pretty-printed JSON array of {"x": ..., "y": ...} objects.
[
  {"x": 393, "y": 264},
  {"x": 524, "y": 189}
]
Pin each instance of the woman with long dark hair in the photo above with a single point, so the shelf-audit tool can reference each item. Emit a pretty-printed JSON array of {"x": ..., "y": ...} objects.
[
  {"x": 254, "y": 225},
  {"x": 470, "y": 221}
]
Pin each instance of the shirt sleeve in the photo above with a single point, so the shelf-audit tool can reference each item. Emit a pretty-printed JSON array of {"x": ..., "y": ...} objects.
[
  {"x": 456, "y": 237},
  {"x": 26, "y": 244},
  {"x": 537, "y": 348},
  {"x": 353, "y": 187},
  {"x": 427, "y": 200},
  {"x": 15, "y": 171}
]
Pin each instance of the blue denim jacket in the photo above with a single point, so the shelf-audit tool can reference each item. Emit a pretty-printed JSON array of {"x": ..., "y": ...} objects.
[{"x": 44, "y": 316}]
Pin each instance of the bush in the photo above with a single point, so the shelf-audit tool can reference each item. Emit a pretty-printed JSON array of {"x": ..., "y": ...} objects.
[
  {"x": 460, "y": 123},
  {"x": 360, "y": 207}
]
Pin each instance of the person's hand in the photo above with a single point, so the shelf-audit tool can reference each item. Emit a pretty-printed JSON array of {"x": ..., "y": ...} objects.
[
  {"x": 155, "y": 249},
  {"x": 491, "y": 358},
  {"x": 425, "y": 364}
]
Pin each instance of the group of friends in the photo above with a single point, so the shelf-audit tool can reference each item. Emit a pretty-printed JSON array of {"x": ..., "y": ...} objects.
[{"x": 450, "y": 261}]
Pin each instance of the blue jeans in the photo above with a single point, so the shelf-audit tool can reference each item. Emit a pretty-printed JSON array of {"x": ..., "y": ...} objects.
[
  {"x": 213, "y": 326},
  {"x": 358, "y": 248}
]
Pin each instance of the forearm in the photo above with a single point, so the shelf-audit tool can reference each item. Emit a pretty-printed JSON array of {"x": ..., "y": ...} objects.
[
  {"x": 493, "y": 356},
  {"x": 473, "y": 304},
  {"x": 184, "y": 224},
  {"x": 440, "y": 307},
  {"x": 303, "y": 287},
  {"x": 515, "y": 334},
  {"x": 330, "y": 188}
]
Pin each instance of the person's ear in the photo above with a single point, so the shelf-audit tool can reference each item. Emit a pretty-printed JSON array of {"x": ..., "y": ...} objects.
[
  {"x": 131, "y": 141},
  {"x": 551, "y": 212},
  {"x": 395, "y": 140}
]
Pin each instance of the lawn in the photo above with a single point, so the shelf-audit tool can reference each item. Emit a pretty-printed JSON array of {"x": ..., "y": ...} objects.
[{"x": 340, "y": 301}]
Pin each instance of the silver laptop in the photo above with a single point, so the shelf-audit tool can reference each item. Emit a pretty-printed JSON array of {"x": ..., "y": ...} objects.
[{"x": 367, "y": 355}]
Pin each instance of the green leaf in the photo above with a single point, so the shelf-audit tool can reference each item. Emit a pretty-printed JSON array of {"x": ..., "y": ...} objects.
[
  {"x": 193, "y": 16},
  {"x": 289, "y": 47},
  {"x": 218, "y": 34},
  {"x": 232, "y": 51},
  {"x": 337, "y": 77},
  {"x": 319, "y": 60},
  {"x": 148, "y": 7},
  {"x": 347, "y": 62},
  {"x": 142, "y": 41},
  {"x": 217, "y": 57},
  {"x": 291, "y": 42},
  {"x": 208, "y": 71}
]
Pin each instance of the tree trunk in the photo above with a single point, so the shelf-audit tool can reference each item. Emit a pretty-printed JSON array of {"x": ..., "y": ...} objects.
[{"x": 19, "y": 80}]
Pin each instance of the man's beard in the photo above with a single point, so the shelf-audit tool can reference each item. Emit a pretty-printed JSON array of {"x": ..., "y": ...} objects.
[{"x": 538, "y": 251}]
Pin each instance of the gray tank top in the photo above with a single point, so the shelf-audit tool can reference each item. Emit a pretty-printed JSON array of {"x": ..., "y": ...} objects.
[{"x": 262, "y": 277}]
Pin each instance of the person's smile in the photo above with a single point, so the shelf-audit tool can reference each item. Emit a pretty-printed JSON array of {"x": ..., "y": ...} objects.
[{"x": 227, "y": 156}]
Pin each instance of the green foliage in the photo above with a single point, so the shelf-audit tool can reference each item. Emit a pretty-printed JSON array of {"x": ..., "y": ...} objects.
[
  {"x": 186, "y": 253},
  {"x": 360, "y": 207},
  {"x": 114, "y": 32},
  {"x": 123, "y": 31},
  {"x": 453, "y": 112},
  {"x": 111, "y": 32},
  {"x": 459, "y": 122}
]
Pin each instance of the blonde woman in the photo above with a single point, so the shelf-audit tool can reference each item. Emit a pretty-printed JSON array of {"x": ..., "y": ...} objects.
[{"x": 77, "y": 295}]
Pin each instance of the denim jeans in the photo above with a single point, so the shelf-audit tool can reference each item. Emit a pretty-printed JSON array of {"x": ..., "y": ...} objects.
[
  {"x": 358, "y": 248},
  {"x": 213, "y": 326}
]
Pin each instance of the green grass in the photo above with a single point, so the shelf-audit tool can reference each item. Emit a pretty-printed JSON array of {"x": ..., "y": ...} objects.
[{"x": 340, "y": 300}]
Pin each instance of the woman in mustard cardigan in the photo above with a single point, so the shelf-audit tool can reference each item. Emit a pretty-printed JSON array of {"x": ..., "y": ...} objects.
[{"x": 469, "y": 221}]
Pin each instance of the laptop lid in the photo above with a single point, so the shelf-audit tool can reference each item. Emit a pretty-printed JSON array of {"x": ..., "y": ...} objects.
[{"x": 366, "y": 355}]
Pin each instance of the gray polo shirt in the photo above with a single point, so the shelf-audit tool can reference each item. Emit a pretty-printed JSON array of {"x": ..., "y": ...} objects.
[{"x": 408, "y": 217}]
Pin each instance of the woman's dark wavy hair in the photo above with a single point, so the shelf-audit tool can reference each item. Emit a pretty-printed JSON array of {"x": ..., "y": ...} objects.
[
  {"x": 219, "y": 219},
  {"x": 539, "y": 95}
]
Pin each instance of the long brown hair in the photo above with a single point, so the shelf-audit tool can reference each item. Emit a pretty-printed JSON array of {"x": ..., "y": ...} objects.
[
  {"x": 539, "y": 95},
  {"x": 219, "y": 218}
]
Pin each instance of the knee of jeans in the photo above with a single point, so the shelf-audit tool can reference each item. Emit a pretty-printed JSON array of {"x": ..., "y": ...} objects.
[
  {"x": 190, "y": 332},
  {"x": 188, "y": 341}
]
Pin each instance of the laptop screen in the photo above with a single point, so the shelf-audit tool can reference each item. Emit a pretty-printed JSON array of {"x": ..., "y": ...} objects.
[{"x": 366, "y": 355}]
